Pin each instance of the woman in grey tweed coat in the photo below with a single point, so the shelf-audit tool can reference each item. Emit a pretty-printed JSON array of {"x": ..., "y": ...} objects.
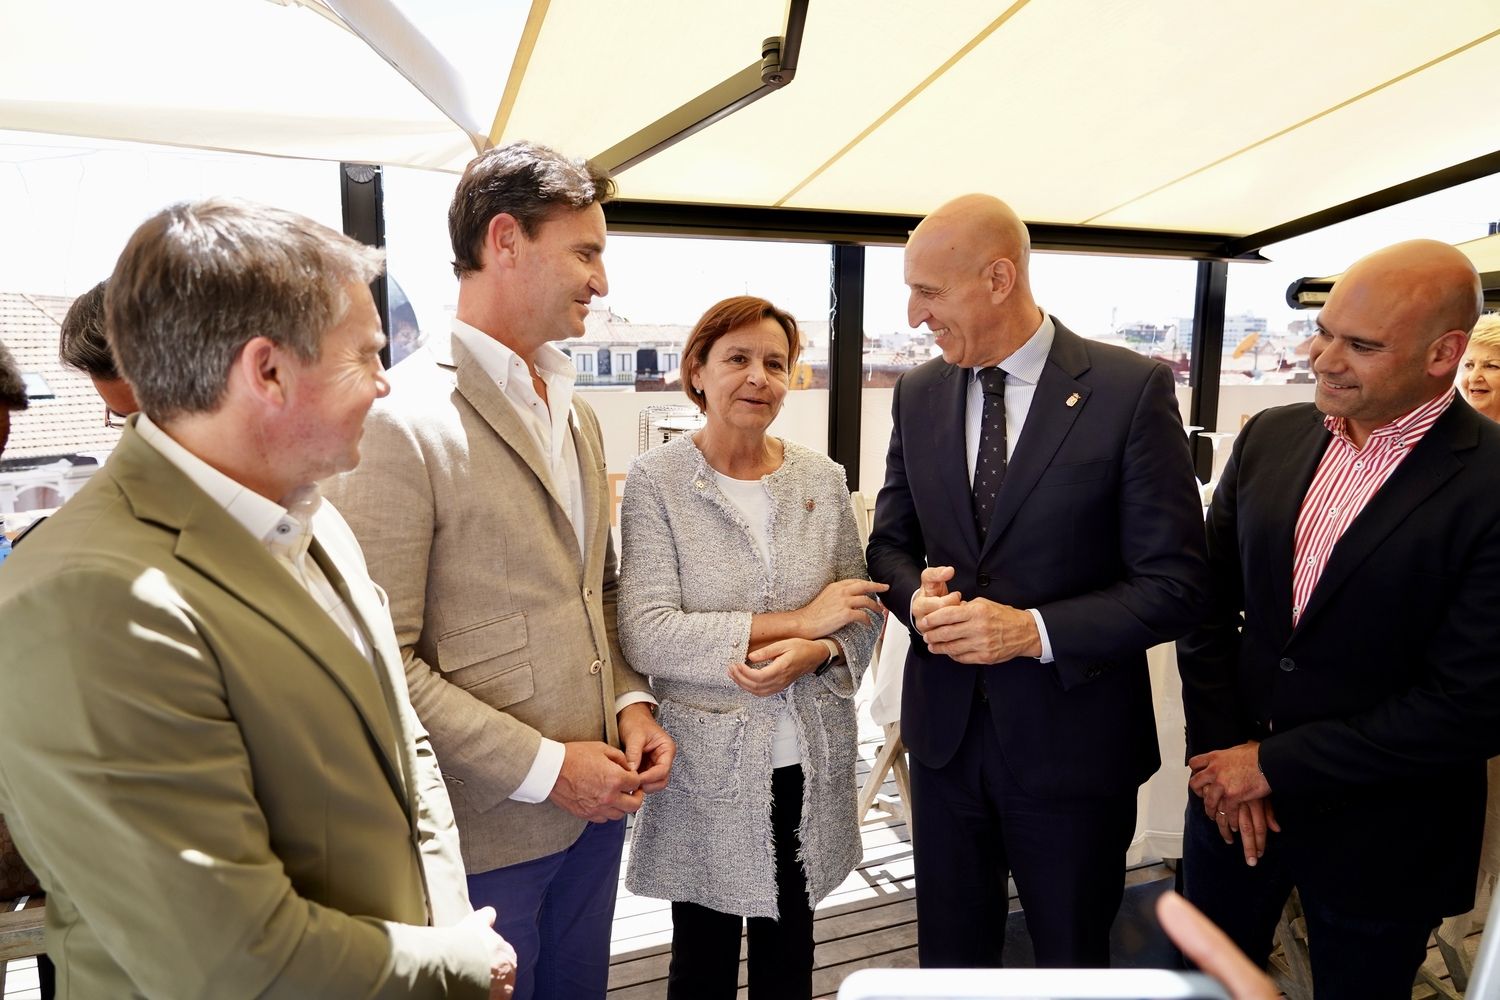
[{"x": 743, "y": 595}]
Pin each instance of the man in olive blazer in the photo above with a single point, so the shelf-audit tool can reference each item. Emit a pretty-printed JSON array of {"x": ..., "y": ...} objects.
[
  {"x": 483, "y": 507},
  {"x": 206, "y": 750}
]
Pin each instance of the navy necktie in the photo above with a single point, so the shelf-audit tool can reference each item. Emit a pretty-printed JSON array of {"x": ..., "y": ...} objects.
[{"x": 989, "y": 465}]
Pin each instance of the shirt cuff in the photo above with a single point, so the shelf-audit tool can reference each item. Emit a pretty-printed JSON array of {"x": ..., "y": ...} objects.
[
  {"x": 1041, "y": 630},
  {"x": 542, "y": 777},
  {"x": 631, "y": 697},
  {"x": 911, "y": 615}
]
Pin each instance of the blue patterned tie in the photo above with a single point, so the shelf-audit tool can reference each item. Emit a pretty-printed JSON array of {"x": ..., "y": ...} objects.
[{"x": 989, "y": 465}]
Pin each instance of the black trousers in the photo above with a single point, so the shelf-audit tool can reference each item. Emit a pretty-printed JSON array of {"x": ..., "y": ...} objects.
[
  {"x": 1355, "y": 956},
  {"x": 706, "y": 943},
  {"x": 973, "y": 823}
]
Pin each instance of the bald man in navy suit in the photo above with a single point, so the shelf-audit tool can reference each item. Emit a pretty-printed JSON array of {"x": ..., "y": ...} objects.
[{"x": 1040, "y": 528}]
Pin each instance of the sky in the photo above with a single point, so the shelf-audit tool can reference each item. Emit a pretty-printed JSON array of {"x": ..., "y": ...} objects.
[{"x": 68, "y": 205}]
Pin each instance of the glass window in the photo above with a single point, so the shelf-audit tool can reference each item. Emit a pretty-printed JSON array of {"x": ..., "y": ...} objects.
[
  {"x": 69, "y": 206},
  {"x": 419, "y": 255}
]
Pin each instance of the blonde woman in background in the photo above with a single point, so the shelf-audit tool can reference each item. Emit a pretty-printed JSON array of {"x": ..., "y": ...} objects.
[{"x": 1479, "y": 371}]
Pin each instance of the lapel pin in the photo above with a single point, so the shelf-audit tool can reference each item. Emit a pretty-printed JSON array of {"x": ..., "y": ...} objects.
[
  {"x": 808, "y": 503},
  {"x": 1073, "y": 399}
]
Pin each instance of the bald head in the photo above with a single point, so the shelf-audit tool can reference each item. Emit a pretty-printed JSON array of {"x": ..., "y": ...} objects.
[
  {"x": 1392, "y": 333},
  {"x": 979, "y": 228},
  {"x": 1420, "y": 285},
  {"x": 967, "y": 265}
]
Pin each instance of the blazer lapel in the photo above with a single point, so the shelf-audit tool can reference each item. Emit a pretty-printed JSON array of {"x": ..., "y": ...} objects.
[
  {"x": 476, "y": 386},
  {"x": 388, "y": 668},
  {"x": 948, "y": 398},
  {"x": 596, "y": 506},
  {"x": 217, "y": 546},
  {"x": 1048, "y": 422},
  {"x": 1420, "y": 474}
]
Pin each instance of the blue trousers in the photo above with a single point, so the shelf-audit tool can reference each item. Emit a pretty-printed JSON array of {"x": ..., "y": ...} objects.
[{"x": 556, "y": 912}]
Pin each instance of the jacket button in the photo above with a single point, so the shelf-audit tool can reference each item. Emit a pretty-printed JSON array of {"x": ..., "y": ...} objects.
[
  {"x": 596, "y": 666},
  {"x": 1287, "y": 664},
  {"x": 984, "y": 579},
  {"x": 588, "y": 592}
]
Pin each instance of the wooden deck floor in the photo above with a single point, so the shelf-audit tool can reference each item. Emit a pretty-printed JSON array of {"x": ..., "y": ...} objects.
[{"x": 869, "y": 922}]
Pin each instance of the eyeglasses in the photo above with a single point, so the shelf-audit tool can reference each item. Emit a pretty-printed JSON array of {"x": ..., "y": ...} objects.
[{"x": 113, "y": 419}]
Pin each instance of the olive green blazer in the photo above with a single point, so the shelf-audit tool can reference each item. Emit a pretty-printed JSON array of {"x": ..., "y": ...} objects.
[{"x": 220, "y": 795}]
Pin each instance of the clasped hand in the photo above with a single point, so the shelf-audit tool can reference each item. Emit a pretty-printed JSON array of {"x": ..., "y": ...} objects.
[
  {"x": 599, "y": 783},
  {"x": 842, "y": 602},
  {"x": 973, "y": 631},
  {"x": 1236, "y": 796},
  {"x": 772, "y": 668}
]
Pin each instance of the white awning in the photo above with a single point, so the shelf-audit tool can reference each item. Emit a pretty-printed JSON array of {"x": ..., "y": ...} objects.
[{"x": 1155, "y": 114}]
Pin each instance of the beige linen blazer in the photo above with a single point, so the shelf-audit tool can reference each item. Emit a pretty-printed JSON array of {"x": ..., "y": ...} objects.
[
  {"x": 220, "y": 794},
  {"x": 507, "y": 633}
]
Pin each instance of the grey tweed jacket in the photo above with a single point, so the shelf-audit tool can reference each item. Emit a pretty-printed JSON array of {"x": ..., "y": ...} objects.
[{"x": 691, "y": 577}]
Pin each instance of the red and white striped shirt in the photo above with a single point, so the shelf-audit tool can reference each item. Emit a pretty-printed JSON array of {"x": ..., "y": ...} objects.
[{"x": 1346, "y": 479}]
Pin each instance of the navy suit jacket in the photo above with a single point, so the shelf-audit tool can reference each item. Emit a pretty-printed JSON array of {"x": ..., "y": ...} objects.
[
  {"x": 1098, "y": 525},
  {"x": 1378, "y": 710}
]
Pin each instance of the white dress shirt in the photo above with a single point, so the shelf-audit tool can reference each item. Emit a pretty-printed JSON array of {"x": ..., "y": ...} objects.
[
  {"x": 550, "y": 423},
  {"x": 285, "y": 531}
]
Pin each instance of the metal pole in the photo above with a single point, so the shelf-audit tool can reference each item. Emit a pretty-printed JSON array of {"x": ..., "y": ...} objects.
[
  {"x": 1208, "y": 354},
  {"x": 362, "y": 195},
  {"x": 846, "y": 341}
]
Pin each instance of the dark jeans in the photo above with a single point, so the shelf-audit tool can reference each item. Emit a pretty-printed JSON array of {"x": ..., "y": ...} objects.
[
  {"x": 556, "y": 912},
  {"x": 1355, "y": 956},
  {"x": 972, "y": 824},
  {"x": 706, "y": 943}
]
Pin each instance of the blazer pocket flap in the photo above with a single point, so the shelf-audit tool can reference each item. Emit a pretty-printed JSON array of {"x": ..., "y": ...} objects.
[
  {"x": 1077, "y": 472},
  {"x": 485, "y": 641},
  {"x": 504, "y": 687}
]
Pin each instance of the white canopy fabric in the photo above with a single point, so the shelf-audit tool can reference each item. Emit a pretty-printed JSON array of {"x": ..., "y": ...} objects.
[{"x": 1156, "y": 114}]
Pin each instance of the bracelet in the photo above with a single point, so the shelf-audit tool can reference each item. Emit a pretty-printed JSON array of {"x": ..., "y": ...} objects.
[{"x": 833, "y": 654}]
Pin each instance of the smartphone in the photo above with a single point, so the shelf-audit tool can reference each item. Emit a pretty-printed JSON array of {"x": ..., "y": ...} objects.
[{"x": 1029, "y": 984}]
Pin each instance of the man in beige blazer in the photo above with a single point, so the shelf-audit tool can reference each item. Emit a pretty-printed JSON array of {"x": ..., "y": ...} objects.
[
  {"x": 483, "y": 509},
  {"x": 206, "y": 749}
]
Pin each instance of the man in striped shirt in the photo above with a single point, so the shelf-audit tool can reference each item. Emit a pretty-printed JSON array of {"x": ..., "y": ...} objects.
[{"x": 1344, "y": 692}]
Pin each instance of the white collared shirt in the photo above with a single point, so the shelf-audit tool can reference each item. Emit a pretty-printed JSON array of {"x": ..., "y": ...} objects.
[
  {"x": 549, "y": 421},
  {"x": 286, "y": 532}
]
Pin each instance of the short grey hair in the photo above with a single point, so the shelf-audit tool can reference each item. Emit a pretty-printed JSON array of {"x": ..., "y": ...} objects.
[
  {"x": 199, "y": 280},
  {"x": 12, "y": 385},
  {"x": 522, "y": 179},
  {"x": 83, "y": 345}
]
